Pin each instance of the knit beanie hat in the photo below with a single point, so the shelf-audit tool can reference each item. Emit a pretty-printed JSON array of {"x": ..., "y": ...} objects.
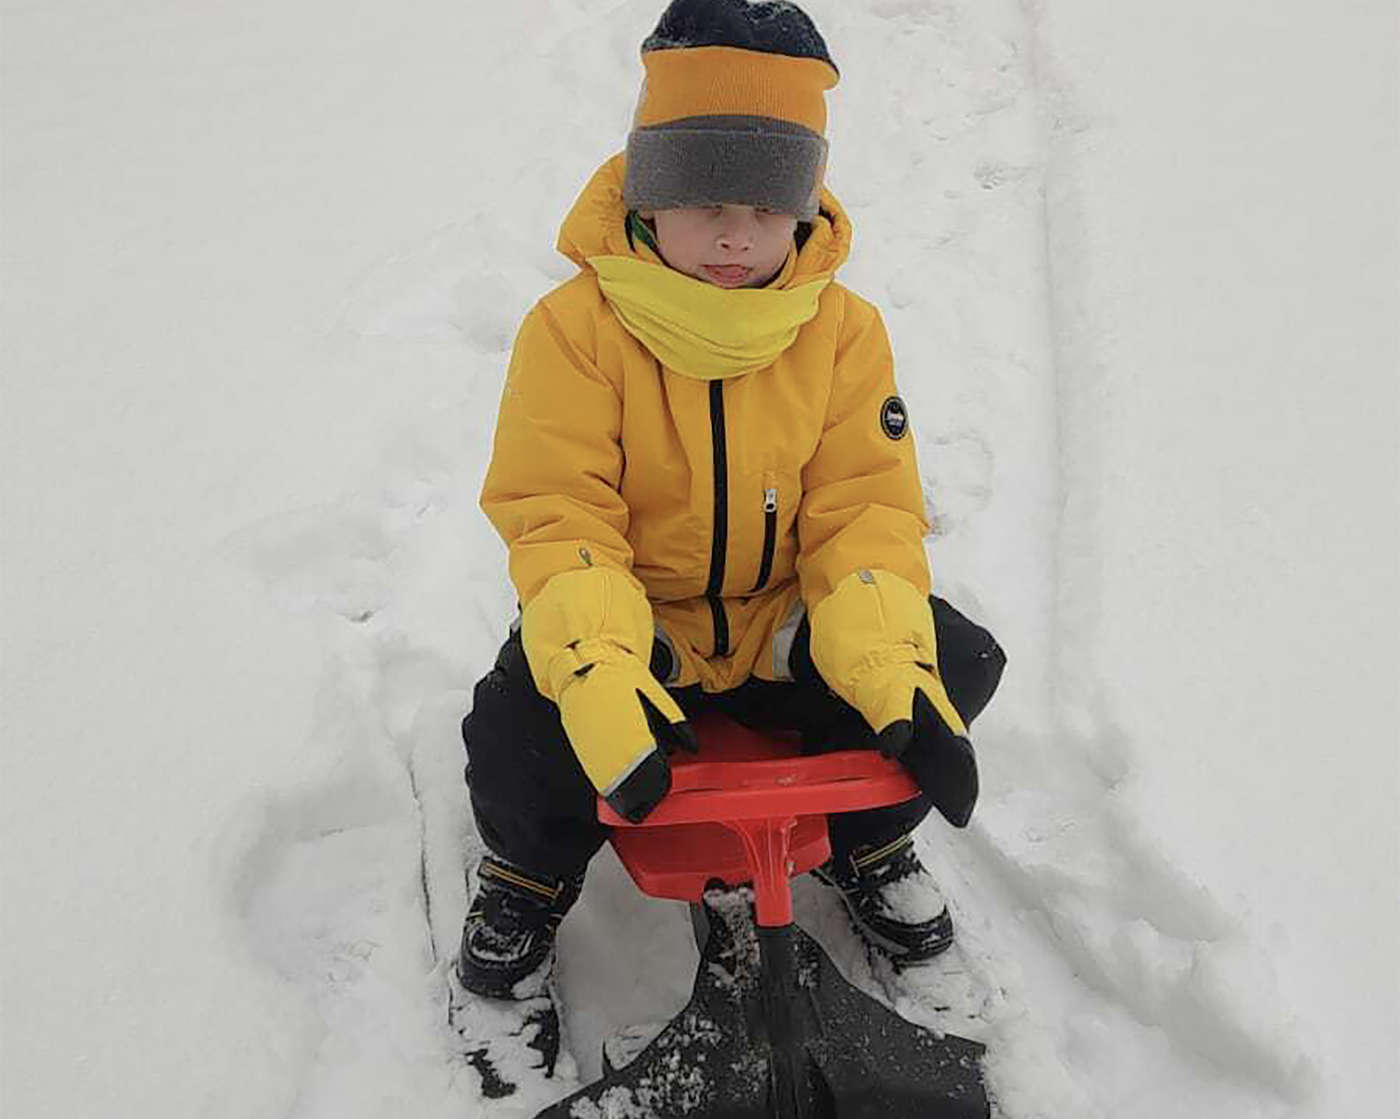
[{"x": 731, "y": 109}]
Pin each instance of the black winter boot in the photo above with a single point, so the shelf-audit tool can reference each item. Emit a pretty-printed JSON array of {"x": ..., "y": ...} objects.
[
  {"x": 893, "y": 901},
  {"x": 508, "y": 939}
]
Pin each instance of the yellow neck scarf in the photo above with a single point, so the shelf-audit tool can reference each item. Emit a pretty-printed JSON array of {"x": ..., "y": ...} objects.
[{"x": 701, "y": 330}]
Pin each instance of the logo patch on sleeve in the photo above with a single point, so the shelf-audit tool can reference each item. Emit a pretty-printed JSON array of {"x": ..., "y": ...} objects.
[{"x": 894, "y": 418}]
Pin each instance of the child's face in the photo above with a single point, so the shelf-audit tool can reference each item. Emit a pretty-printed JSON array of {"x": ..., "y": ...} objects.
[{"x": 729, "y": 246}]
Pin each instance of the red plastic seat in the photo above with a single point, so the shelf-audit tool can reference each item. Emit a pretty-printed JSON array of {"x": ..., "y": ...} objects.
[{"x": 749, "y": 808}]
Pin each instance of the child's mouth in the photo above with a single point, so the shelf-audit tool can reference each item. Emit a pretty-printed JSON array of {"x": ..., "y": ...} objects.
[{"x": 727, "y": 275}]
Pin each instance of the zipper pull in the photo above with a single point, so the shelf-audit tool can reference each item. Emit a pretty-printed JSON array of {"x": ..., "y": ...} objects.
[{"x": 770, "y": 500}]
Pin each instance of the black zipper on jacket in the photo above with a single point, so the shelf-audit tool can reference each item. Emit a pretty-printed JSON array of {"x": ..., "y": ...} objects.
[
  {"x": 770, "y": 537},
  {"x": 719, "y": 541}
]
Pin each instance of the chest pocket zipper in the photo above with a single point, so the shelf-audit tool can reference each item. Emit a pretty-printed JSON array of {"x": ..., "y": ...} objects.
[{"x": 770, "y": 534}]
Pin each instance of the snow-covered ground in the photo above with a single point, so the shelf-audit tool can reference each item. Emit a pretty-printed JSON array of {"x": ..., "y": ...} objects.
[{"x": 262, "y": 266}]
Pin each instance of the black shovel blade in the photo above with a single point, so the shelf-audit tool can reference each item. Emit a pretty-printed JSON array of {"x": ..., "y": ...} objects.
[
  {"x": 795, "y": 1041},
  {"x": 875, "y": 1065}
]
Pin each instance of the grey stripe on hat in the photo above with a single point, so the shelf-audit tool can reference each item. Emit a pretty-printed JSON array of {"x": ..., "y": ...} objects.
[{"x": 742, "y": 160}]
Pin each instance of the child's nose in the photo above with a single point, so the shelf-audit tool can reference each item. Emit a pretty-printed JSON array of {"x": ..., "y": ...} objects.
[
  {"x": 735, "y": 241},
  {"x": 736, "y": 233}
]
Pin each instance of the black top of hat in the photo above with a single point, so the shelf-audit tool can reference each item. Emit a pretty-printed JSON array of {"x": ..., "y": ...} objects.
[{"x": 774, "y": 26}]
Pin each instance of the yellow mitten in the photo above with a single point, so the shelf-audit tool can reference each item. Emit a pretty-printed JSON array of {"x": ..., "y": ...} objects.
[
  {"x": 588, "y": 635},
  {"x": 873, "y": 643}
]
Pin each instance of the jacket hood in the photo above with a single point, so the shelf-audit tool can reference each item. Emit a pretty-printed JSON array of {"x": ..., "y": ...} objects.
[{"x": 597, "y": 226}]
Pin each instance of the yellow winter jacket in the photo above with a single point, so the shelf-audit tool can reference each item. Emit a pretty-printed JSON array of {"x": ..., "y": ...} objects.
[{"x": 730, "y": 499}]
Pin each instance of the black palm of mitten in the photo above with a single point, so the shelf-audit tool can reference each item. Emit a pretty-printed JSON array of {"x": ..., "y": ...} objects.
[
  {"x": 939, "y": 759},
  {"x": 643, "y": 788}
]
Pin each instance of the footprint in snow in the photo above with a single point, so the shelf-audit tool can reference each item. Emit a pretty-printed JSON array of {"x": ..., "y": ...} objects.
[{"x": 958, "y": 469}]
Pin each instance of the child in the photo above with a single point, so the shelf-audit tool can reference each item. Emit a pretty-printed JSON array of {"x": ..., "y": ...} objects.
[{"x": 705, "y": 478}]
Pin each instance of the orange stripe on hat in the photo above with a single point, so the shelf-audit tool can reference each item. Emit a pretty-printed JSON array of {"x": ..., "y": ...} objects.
[{"x": 706, "y": 81}]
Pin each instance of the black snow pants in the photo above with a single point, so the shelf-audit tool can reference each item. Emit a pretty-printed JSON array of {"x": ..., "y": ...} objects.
[{"x": 535, "y": 807}]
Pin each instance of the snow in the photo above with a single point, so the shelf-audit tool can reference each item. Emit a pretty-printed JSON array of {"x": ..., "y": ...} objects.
[
  {"x": 913, "y": 900},
  {"x": 262, "y": 269}
]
